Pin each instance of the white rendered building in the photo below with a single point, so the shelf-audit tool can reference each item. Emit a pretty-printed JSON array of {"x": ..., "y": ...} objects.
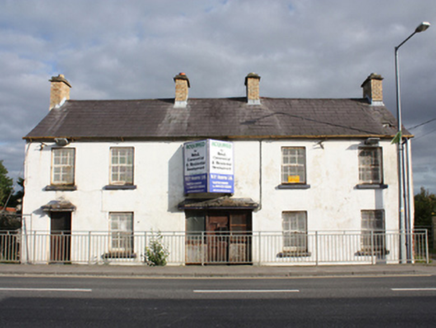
[{"x": 296, "y": 166}]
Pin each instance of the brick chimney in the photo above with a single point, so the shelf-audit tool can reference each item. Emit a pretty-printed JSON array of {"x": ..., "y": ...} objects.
[
  {"x": 182, "y": 86},
  {"x": 252, "y": 84},
  {"x": 60, "y": 91},
  {"x": 373, "y": 89}
]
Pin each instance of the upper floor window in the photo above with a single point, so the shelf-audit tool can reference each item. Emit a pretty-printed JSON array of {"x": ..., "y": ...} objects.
[
  {"x": 370, "y": 166},
  {"x": 121, "y": 168},
  {"x": 293, "y": 165},
  {"x": 62, "y": 168}
]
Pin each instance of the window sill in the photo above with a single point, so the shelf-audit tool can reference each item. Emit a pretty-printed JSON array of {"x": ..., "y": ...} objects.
[
  {"x": 375, "y": 252},
  {"x": 294, "y": 254},
  {"x": 293, "y": 186},
  {"x": 119, "y": 187},
  {"x": 372, "y": 186},
  {"x": 60, "y": 188},
  {"x": 119, "y": 255}
]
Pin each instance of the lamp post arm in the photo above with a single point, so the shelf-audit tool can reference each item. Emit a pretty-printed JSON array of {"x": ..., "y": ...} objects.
[{"x": 397, "y": 47}]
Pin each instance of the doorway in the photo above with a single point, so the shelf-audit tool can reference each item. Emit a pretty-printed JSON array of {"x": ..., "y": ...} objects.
[
  {"x": 219, "y": 237},
  {"x": 60, "y": 237}
]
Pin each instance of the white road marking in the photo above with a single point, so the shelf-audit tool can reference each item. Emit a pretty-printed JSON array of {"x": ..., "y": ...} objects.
[
  {"x": 412, "y": 289},
  {"x": 80, "y": 290},
  {"x": 248, "y": 291}
]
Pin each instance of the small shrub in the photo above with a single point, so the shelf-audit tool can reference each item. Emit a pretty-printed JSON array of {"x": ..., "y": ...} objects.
[
  {"x": 9, "y": 221},
  {"x": 156, "y": 253}
]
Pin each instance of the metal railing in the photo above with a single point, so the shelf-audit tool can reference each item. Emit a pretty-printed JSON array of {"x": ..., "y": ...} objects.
[
  {"x": 10, "y": 242},
  {"x": 259, "y": 248}
]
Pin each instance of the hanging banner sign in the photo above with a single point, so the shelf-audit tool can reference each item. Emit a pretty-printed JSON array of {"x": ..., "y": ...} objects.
[{"x": 208, "y": 167}]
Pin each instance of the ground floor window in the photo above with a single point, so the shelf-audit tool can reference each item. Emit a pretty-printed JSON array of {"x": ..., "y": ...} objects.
[
  {"x": 294, "y": 225},
  {"x": 373, "y": 231},
  {"x": 121, "y": 230}
]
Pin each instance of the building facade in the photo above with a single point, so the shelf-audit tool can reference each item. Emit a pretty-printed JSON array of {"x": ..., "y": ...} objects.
[{"x": 118, "y": 167}]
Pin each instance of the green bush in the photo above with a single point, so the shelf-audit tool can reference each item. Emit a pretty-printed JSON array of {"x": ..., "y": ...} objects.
[
  {"x": 156, "y": 253},
  {"x": 9, "y": 221}
]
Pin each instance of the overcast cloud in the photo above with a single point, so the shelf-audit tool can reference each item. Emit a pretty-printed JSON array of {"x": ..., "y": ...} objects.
[{"x": 132, "y": 49}]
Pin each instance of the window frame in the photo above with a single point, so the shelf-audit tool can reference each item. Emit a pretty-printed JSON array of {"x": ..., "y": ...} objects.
[
  {"x": 366, "y": 169},
  {"x": 295, "y": 231},
  {"x": 371, "y": 228},
  {"x": 62, "y": 167},
  {"x": 119, "y": 249},
  {"x": 119, "y": 181},
  {"x": 302, "y": 178}
]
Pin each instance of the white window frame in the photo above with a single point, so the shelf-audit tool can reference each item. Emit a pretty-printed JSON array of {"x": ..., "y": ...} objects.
[
  {"x": 370, "y": 165},
  {"x": 121, "y": 166},
  {"x": 373, "y": 224},
  {"x": 121, "y": 232},
  {"x": 293, "y": 167},
  {"x": 294, "y": 226},
  {"x": 63, "y": 166}
]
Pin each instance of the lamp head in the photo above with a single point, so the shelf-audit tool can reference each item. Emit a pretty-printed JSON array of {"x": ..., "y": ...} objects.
[{"x": 422, "y": 27}]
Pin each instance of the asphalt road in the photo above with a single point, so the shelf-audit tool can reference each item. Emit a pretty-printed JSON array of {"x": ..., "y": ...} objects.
[{"x": 326, "y": 302}]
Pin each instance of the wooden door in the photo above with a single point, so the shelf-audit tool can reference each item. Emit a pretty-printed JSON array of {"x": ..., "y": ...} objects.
[
  {"x": 240, "y": 237},
  {"x": 60, "y": 237},
  {"x": 217, "y": 236}
]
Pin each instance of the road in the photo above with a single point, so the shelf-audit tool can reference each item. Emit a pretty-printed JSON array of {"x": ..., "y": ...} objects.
[{"x": 316, "y": 302}]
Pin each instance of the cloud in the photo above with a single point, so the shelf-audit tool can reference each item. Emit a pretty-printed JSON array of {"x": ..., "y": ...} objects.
[{"x": 133, "y": 49}]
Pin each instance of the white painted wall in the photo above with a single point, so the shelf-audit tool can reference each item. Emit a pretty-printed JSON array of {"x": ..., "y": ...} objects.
[{"x": 332, "y": 202}]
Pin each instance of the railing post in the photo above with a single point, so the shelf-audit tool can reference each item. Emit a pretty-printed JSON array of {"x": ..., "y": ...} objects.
[
  {"x": 34, "y": 247},
  {"x": 202, "y": 248},
  {"x": 316, "y": 248},
  {"x": 372, "y": 248},
  {"x": 145, "y": 247},
  {"x": 259, "y": 247},
  {"x": 26, "y": 245},
  {"x": 427, "y": 260},
  {"x": 89, "y": 247}
]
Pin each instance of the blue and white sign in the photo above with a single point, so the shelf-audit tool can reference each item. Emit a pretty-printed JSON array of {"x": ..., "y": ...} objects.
[
  {"x": 195, "y": 171},
  {"x": 221, "y": 176},
  {"x": 208, "y": 167}
]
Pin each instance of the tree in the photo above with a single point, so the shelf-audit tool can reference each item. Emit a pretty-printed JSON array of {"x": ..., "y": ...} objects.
[
  {"x": 18, "y": 195},
  {"x": 6, "y": 184},
  {"x": 425, "y": 208}
]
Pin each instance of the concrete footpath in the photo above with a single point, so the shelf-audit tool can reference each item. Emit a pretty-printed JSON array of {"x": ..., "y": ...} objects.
[{"x": 212, "y": 271}]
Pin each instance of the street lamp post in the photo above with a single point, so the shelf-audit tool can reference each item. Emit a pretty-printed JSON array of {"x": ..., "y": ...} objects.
[{"x": 401, "y": 196}]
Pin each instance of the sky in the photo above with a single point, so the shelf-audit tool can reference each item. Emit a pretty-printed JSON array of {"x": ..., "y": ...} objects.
[{"x": 111, "y": 49}]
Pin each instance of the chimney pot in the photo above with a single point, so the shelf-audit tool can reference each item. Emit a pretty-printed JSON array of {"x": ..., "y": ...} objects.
[
  {"x": 373, "y": 89},
  {"x": 252, "y": 84},
  {"x": 59, "y": 90}
]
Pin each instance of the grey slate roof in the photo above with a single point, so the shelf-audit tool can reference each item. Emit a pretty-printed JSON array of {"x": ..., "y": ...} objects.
[{"x": 216, "y": 118}]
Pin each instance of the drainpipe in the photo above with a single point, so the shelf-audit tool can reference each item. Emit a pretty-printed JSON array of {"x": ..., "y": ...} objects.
[
  {"x": 260, "y": 176},
  {"x": 408, "y": 209}
]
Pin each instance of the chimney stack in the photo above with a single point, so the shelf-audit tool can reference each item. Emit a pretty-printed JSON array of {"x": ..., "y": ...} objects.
[
  {"x": 373, "y": 89},
  {"x": 60, "y": 91},
  {"x": 252, "y": 84},
  {"x": 182, "y": 86}
]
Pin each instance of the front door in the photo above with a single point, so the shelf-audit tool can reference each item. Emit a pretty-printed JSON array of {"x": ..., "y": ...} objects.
[
  {"x": 240, "y": 240},
  {"x": 60, "y": 237},
  {"x": 217, "y": 237},
  {"x": 228, "y": 237}
]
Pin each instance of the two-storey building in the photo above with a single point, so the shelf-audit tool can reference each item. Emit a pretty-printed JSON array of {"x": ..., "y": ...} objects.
[{"x": 296, "y": 168}]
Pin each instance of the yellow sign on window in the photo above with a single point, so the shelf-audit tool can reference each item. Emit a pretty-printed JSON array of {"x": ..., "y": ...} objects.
[{"x": 293, "y": 178}]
